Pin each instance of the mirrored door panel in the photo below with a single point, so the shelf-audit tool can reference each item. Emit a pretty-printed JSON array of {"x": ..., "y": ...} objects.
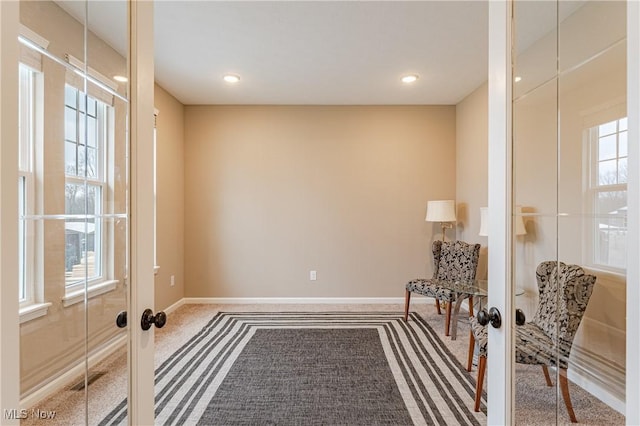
[
  {"x": 74, "y": 209},
  {"x": 107, "y": 84},
  {"x": 569, "y": 174},
  {"x": 535, "y": 195},
  {"x": 592, "y": 199}
]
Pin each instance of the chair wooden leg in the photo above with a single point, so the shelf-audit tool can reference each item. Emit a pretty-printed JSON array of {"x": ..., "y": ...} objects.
[
  {"x": 438, "y": 306},
  {"x": 482, "y": 364},
  {"x": 470, "y": 306},
  {"x": 407, "y": 299},
  {"x": 564, "y": 388},
  {"x": 547, "y": 378},
  {"x": 472, "y": 344},
  {"x": 447, "y": 319}
]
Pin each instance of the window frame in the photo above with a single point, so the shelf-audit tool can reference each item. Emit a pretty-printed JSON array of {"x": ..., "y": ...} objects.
[
  {"x": 594, "y": 188},
  {"x": 28, "y": 90},
  {"x": 99, "y": 181}
]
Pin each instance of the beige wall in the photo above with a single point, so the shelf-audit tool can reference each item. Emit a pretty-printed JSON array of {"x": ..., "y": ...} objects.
[
  {"x": 170, "y": 199},
  {"x": 274, "y": 192},
  {"x": 472, "y": 119}
]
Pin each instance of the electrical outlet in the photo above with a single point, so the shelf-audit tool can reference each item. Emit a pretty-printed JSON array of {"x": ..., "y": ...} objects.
[
  {"x": 173, "y": 280},
  {"x": 312, "y": 275}
]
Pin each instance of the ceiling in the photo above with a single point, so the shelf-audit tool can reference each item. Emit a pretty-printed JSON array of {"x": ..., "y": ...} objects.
[
  {"x": 310, "y": 52},
  {"x": 321, "y": 52}
]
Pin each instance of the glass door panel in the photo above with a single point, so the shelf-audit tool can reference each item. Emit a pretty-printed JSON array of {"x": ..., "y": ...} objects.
[
  {"x": 535, "y": 27},
  {"x": 535, "y": 195},
  {"x": 73, "y": 209},
  {"x": 569, "y": 192},
  {"x": 108, "y": 147},
  {"x": 592, "y": 197},
  {"x": 57, "y": 234}
]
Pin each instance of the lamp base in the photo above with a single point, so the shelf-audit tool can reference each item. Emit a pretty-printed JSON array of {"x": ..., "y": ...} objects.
[{"x": 444, "y": 226}]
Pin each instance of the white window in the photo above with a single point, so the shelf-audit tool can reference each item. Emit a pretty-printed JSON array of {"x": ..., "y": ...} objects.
[
  {"x": 26, "y": 198},
  {"x": 608, "y": 194},
  {"x": 85, "y": 142}
]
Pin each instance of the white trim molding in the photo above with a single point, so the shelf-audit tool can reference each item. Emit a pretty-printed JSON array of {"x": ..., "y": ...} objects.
[
  {"x": 174, "y": 307},
  {"x": 94, "y": 290},
  {"x": 301, "y": 300},
  {"x": 597, "y": 375},
  {"x": 633, "y": 230},
  {"x": 500, "y": 365},
  {"x": 9, "y": 327},
  {"x": 78, "y": 369},
  {"x": 34, "y": 311}
]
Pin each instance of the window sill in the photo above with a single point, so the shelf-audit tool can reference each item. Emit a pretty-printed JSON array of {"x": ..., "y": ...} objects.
[
  {"x": 34, "y": 311},
  {"x": 77, "y": 296}
]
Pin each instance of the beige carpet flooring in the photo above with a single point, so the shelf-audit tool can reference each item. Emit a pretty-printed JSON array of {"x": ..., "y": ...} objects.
[{"x": 536, "y": 404}]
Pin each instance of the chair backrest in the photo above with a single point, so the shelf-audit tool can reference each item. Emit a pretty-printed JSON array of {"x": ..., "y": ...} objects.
[
  {"x": 455, "y": 260},
  {"x": 564, "y": 294}
]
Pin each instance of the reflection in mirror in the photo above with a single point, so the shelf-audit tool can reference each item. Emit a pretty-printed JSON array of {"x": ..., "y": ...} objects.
[
  {"x": 74, "y": 219},
  {"x": 535, "y": 25},
  {"x": 106, "y": 54},
  {"x": 569, "y": 159}
]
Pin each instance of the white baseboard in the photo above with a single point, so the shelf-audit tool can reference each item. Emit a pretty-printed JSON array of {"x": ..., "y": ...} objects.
[
  {"x": 32, "y": 398},
  {"x": 599, "y": 376},
  {"x": 301, "y": 300},
  {"x": 175, "y": 306},
  {"x": 599, "y": 391}
]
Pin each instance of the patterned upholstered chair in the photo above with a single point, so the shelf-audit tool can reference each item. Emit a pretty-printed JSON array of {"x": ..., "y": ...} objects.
[
  {"x": 547, "y": 339},
  {"x": 452, "y": 261}
]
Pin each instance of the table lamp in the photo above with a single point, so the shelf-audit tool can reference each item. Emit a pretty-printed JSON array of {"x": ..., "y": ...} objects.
[{"x": 443, "y": 211}]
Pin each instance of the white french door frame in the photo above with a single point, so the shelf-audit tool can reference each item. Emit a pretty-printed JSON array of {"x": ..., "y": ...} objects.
[
  {"x": 500, "y": 364},
  {"x": 633, "y": 215},
  {"x": 141, "y": 278},
  {"x": 141, "y": 343},
  {"x": 9, "y": 321},
  {"x": 500, "y": 368}
]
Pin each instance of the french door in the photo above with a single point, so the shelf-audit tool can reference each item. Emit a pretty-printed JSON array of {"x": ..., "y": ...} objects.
[
  {"x": 563, "y": 146},
  {"x": 77, "y": 203}
]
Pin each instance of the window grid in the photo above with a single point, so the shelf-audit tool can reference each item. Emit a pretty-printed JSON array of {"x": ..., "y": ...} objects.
[
  {"x": 85, "y": 136},
  {"x": 609, "y": 195},
  {"x": 26, "y": 136}
]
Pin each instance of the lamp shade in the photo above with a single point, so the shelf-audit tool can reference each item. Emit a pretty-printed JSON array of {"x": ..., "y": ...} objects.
[
  {"x": 519, "y": 220},
  {"x": 441, "y": 211},
  {"x": 484, "y": 222}
]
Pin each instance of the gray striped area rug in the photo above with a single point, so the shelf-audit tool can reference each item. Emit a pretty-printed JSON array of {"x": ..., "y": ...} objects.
[{"x": 312, "y": 368}]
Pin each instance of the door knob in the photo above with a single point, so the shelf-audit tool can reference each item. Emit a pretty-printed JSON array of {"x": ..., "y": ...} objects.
[
  {"x": 159, "y": 319},
  {"x": 121, "y": 319},
  {"x": 493, "y": 317}
]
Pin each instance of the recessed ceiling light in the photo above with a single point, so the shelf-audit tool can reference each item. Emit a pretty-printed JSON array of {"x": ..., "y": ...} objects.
[
  {"x": 231, "y": 78},
  {"x": 409, "y": 78},
  {"x": 517, "y": 79},
  {"x": 120, "y": 78}
]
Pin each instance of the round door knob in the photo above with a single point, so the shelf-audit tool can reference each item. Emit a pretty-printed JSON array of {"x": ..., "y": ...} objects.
[
  {"x": 483, "y": 317},
  {"x": 493, "y": 317},
  {"x": 520, "y": 317},
  {"x": 159, "y": 319},
  {"x": 121, "y": 319}
]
